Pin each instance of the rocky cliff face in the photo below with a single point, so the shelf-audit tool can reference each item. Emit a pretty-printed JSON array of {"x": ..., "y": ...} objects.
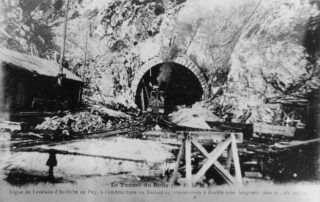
[
  {"x": 272, "y": 59},
  {"x": 251, "y": 51}
]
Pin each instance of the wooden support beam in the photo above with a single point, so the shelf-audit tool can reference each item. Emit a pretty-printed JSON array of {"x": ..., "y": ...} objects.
[
  {"x": 143, "y": 106},
  {"x": 229, "y": 159},
  {"x": 221, "y": 170},
  {"x": 224, "y": 173},
  {"x": 188, "y": 160},
  {"x": 176, "y": 168},
  {"x": 147, "y": 93},
  {"x": 236, "y": 161},
  {"x": 145, "y": 89},
  {"x": 200, "y": 147},
  {"x": 213, "y": 156},
  {"x": 211, "y": 159}
]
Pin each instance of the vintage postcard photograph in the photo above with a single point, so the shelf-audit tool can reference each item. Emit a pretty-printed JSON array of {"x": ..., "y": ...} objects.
[{"x": 159, "y": 100}]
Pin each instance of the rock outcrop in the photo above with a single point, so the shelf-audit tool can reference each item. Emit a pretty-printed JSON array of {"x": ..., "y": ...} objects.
[{"x": 251, "y": 51}]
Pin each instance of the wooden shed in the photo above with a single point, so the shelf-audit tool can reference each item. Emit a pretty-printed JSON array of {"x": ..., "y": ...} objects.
[{"x": 29, "y": 83}]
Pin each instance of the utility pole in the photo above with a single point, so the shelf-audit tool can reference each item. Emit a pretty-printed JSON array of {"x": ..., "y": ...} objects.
[
  {"x": 62, "y": 60},
  {"x": 86, "y": 50}
]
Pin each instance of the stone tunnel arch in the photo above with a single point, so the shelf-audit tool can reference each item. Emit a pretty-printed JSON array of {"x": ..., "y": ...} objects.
[{"x": 183, "y": 61}]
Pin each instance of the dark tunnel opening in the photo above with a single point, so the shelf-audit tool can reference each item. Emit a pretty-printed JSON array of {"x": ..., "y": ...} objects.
[{"x": 171, "y": 85}]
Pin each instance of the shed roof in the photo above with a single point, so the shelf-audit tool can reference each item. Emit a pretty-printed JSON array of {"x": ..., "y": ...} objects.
[{"x": 34, "y": 64}]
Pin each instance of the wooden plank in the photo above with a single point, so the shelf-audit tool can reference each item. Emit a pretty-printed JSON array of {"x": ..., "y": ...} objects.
[
  {"x": 262, "y": 128},
  {"x": 176, "y": 168},
  {"x": 188, "y": 161},
  {"x": 158, "y": 134},
  {"x": 65, "y": 152},
  {"x": 213, "y": 156},
  {"x": 107, "y": 133},
  {"x": 253, "y": 174},
  {"x": 210, "y": 135},
  {"x": 285, "y": 145},
  {"x": 236, "y": 161}
]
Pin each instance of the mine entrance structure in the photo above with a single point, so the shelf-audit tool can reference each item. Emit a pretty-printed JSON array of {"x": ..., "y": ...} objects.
[{"x": 162, "y": 86}]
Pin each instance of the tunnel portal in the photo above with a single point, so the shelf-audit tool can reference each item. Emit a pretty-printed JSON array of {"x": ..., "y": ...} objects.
[{"x": 177, "y": 84}]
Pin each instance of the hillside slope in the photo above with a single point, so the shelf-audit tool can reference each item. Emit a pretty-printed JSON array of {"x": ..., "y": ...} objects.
[{"x": 251, "y": 51}]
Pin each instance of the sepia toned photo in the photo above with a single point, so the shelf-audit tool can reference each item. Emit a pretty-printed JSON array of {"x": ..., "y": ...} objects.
[{"x": 159, "y": 100}]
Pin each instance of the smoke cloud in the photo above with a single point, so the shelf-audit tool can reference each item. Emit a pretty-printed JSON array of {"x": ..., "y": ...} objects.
[{"x": 164, "y": 75}]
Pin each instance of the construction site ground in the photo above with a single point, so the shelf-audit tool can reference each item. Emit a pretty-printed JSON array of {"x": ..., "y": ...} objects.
[{"x": 151, "y": 160}]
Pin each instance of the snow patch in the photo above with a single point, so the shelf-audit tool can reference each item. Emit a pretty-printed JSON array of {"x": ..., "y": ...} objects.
[{"x": 154, "y": 153}]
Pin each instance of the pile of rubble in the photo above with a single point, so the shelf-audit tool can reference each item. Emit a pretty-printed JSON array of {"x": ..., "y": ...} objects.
[
  {"x": 106, "y": 112},
  {"x": 74, "y": 123},
  {"x": 194, "y": 117}
]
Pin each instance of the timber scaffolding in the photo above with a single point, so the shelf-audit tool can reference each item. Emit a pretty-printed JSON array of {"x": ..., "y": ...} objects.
[
  {"x": 224, "y": 141},
  {"x": 224, "y": 144}
]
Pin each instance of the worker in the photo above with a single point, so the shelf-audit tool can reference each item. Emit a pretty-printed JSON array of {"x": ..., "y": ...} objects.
[
  {"x": 51, "y": 162},
  {"x": 153, "y": 86}
]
